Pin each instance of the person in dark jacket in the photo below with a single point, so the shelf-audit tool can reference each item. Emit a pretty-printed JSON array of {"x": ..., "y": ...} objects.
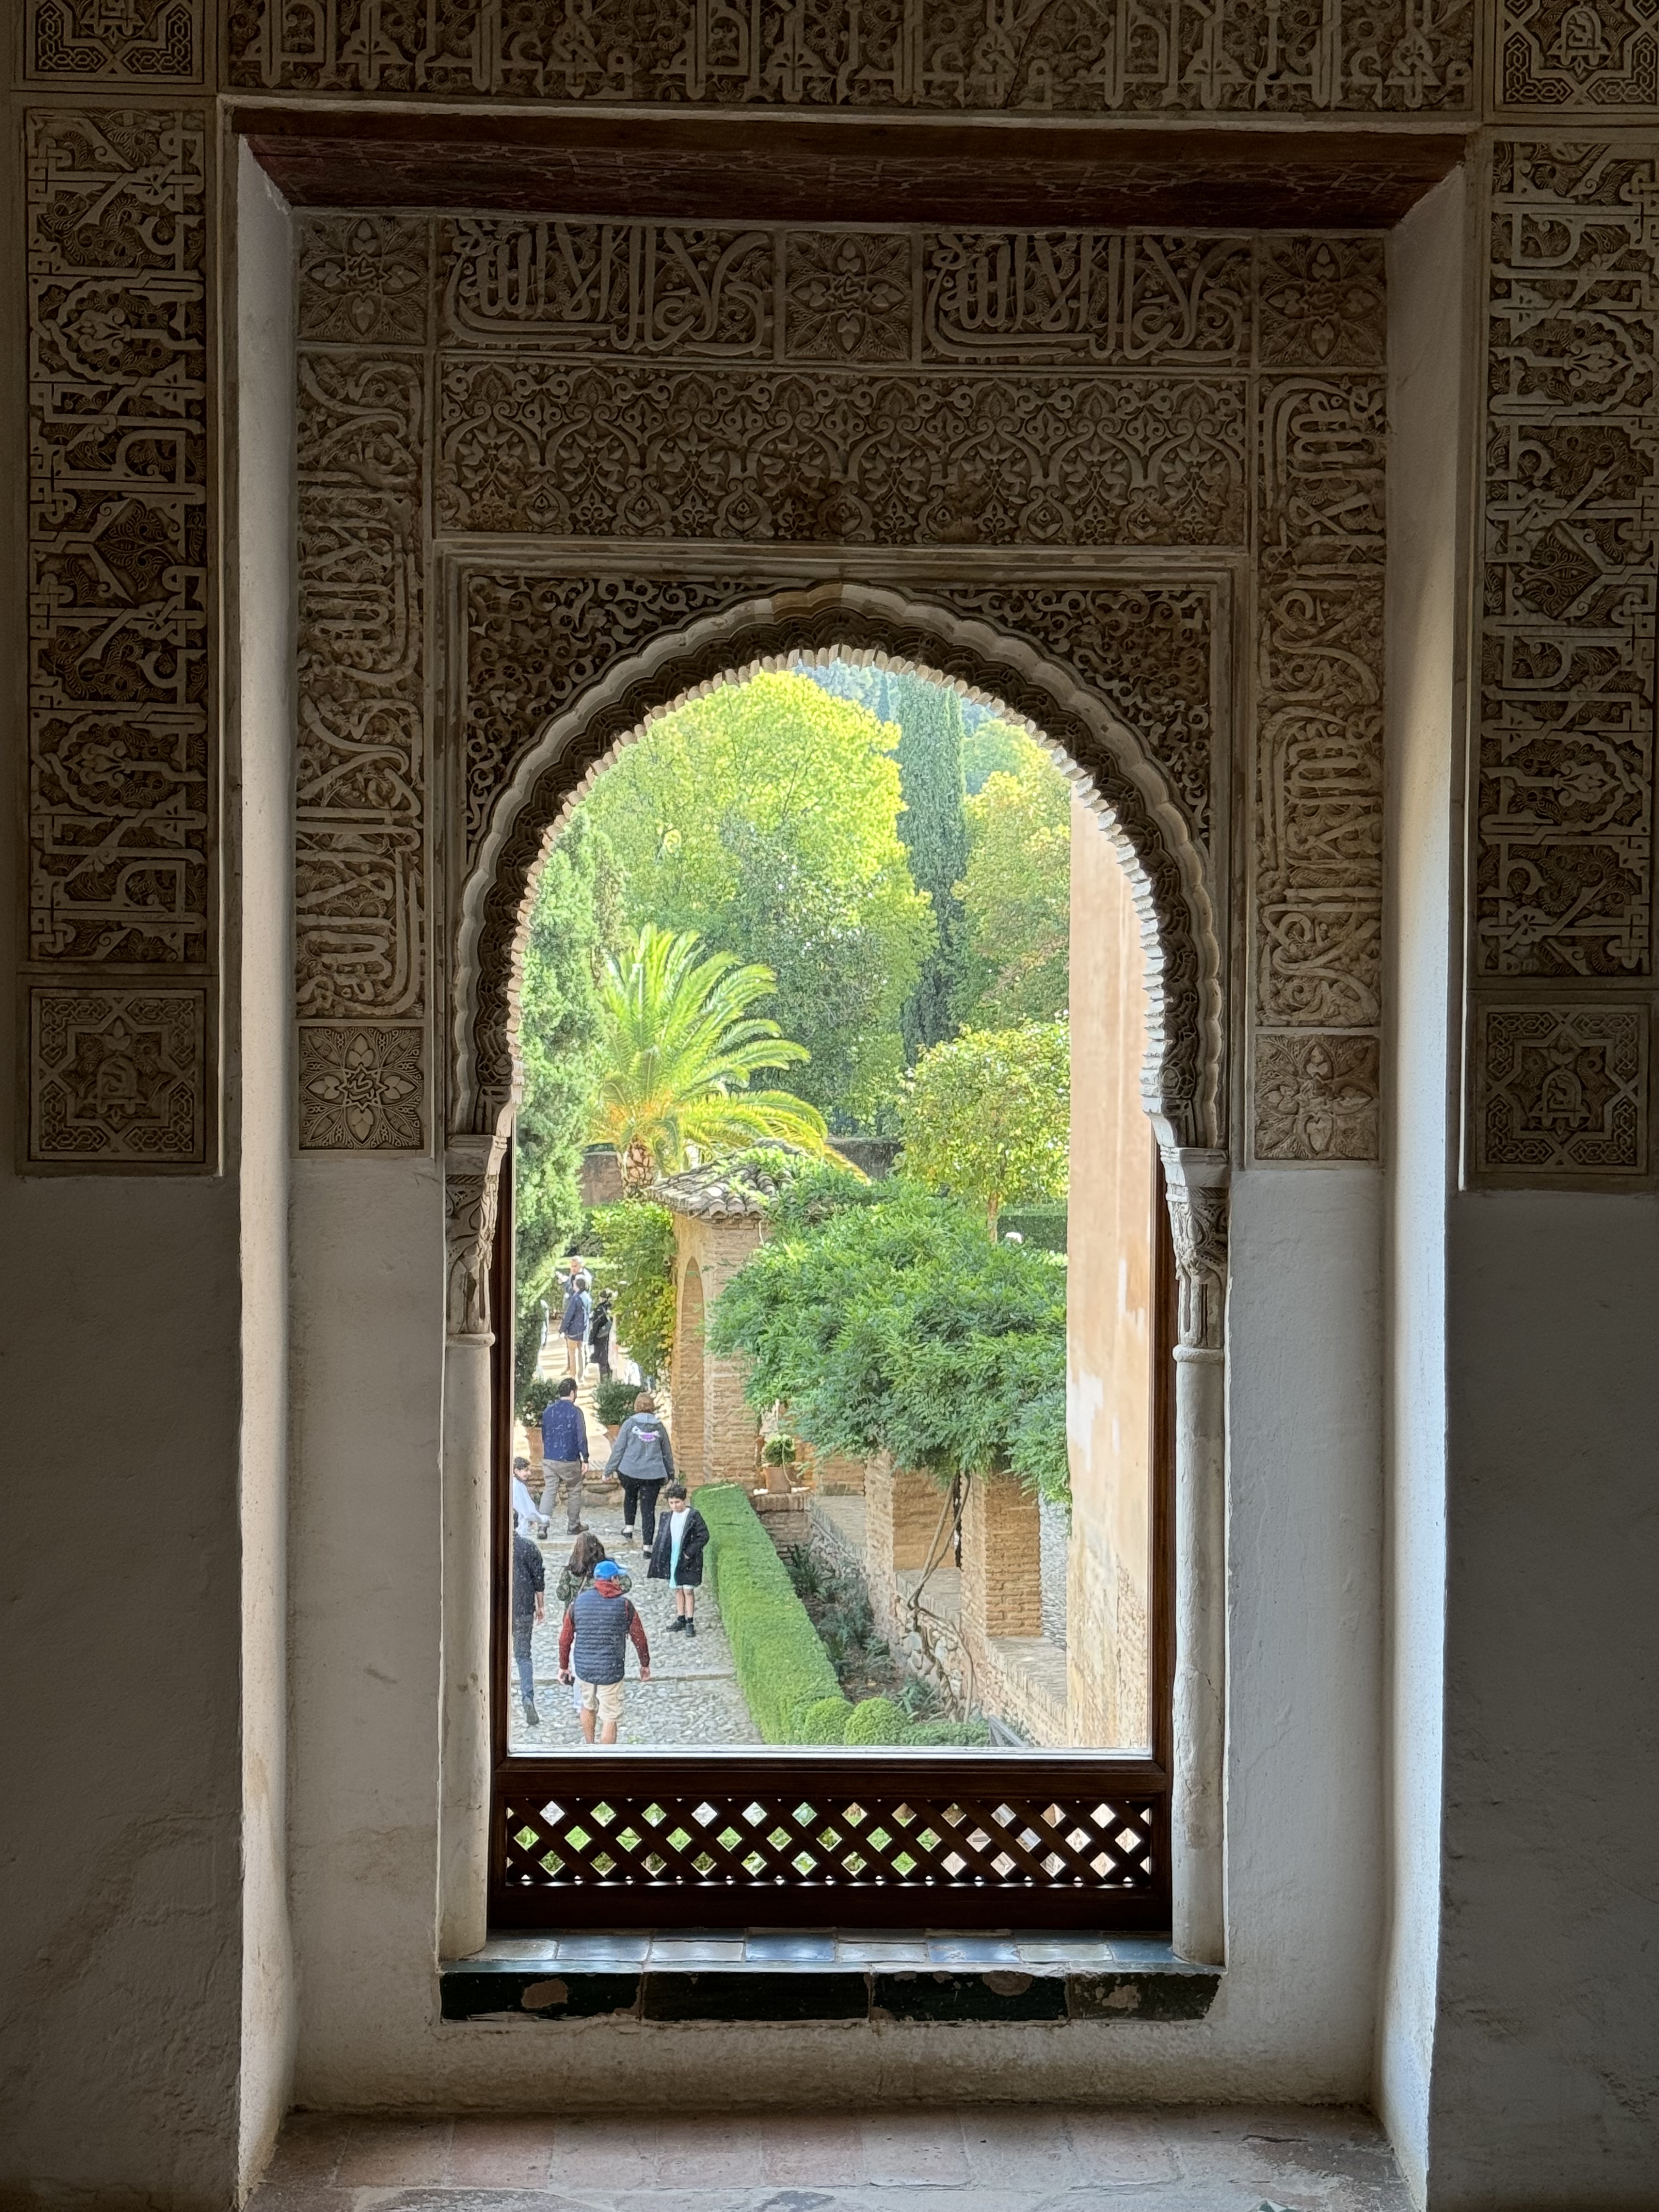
[
  {"x": 598, "y": 1626},
  {"x": 529, "y": 1607},
  {"x": 643, "y": 1457},
  {"x": 564, "y": 1449},
  {"x": 677, "y": 1556},
  {"x": 574, "y": 1321},
  {"x": 599, "y": 1335}
]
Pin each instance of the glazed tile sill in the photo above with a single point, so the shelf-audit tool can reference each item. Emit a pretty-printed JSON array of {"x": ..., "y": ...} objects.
[{"x": 790, "y": 1977}]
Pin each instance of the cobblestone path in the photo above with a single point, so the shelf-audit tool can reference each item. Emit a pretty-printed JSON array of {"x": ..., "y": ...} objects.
[{"x": 692, "y": 1696}]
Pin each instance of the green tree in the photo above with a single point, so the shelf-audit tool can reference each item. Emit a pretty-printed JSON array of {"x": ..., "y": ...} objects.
[
  {"x": 883, "y": 1318},
  {"x": 1016, "y": 892},
  {"x": 636, "y": 1260},
  {"x": 560, "y": 1043},
  {"x": 936, "y": 837},
  {"x": 680, "y": 1046},
  {"x": 764, "y": 817},
  {"x": 988, "y": 745},
  {"x": 987, "y": 1116}
]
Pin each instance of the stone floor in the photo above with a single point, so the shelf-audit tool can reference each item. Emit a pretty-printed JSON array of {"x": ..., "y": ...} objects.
[
  {"x": 692, "y": 1696},
  {"x": 1189, "y": 2158}
]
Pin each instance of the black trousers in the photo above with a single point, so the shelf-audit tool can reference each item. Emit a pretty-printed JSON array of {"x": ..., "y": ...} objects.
[{"x": 644, "y": 1495}]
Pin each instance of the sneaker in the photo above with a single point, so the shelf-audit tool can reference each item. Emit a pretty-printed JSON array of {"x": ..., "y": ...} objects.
[
  {"x": 531, "y": 1714},
  {"x": 691, "y": 1625},
  {"x": 677, "y": 1624}
]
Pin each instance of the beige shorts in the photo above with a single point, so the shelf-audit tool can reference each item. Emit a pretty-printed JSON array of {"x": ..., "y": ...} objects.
[{"x": 604, "y": 1698}]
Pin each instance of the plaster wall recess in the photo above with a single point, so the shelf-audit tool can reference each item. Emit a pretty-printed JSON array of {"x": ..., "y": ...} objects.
[
  {"x": 122, "y": 948},
  {"x": 1084, "y": 441},
  {"x": 1561, "y": 928},
  {"x": 1253, "y": 57}
]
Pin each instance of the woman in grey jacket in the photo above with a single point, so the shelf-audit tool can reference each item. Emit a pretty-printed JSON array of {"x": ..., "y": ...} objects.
[{"x": 644, "y": 1460}]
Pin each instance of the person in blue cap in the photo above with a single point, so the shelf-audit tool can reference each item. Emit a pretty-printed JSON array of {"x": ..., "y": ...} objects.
[{"x": 599, "y": 1624}]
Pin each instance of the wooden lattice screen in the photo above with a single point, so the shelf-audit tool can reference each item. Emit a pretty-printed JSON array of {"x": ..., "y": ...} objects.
[{"x": 884, "y": 1840}]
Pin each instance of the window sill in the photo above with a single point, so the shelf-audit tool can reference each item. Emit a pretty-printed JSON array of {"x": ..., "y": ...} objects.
[{"x": 885, "y": 1978}]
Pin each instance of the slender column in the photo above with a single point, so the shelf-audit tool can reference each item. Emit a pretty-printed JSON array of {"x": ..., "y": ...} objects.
[
  {"x": 1197, "y": 1186},
  {"x": 472, "y": 1167}
]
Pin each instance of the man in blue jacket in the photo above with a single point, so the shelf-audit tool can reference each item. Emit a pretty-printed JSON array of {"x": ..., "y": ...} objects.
[{"x": 564, "y": 1449}]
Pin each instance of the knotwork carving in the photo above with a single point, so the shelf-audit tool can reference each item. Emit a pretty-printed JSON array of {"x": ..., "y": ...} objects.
[
  {"x": 1582, "y": 57},
  {"x": 471, "y": 1192},
  {"x": 136, "y": 42},
  {"x": 527, "y": 444},
  {"x": 116, "y": 1077},
  {"x": 1178, "y": 1078},
  {"x": 1561, "y": 1090},
  {"x": 121, "y": 760},
  {"x": 1317, "y": 1097},
  {"x": 362, "y": 1088},
  {"x": 1564, "y": 863},
  {"x": 1128, "y": 56}
]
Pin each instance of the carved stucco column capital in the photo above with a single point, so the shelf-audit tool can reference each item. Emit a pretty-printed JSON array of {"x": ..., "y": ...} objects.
[
  {"x": 471, "y": 1185},
  {"x": 1196, "y": 1182}
]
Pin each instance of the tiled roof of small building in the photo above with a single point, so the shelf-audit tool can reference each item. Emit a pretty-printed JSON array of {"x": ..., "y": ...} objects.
[{"x": 725, "y": 1190}]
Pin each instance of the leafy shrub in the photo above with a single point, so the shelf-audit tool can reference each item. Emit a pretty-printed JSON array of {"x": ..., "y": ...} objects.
[
  {"x": 779, "y": 1451},
  {"x": 944, "y": 1735},
  {"x": 877, "y": 1720},
  {"x": 527, "y": 1344},
  {"x": 782, "y": 1667},
  {"x": 538, "y": 1396},
  {"x": 614, "y": 1402},
  {"x": 637, "y": 1263}
]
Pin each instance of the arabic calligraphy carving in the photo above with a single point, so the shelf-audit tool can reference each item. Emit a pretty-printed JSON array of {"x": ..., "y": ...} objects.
[
  {"x": 137, "y": 42},
  {"x": 1267, "y": 56},
  {"x": 1578, "y": 56},
  {"x": 1318, "y": 859},
  {"x": 121, "y": 768},
  {"x": 359, "y": 861},
  {"x": 528, "y": 445},
  {"x": 1561, "y": 1090},
  {"x": 116, "y": 1077},
  {"x": 642, "y": 291}
]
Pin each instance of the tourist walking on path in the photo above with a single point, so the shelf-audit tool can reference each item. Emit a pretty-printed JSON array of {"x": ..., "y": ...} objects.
[
  {"x": 525, "y": 1515},
  {"x": 573, "y": 1322},
  {"x": 599, "y": 1624},
  {"x": 529, "y": 1608},
  {"x": 677, "y": 1556},
  {"x": 564, "y": 1449},
  {"x": 643, "y": 1457},
  {"x": 599, "y": 1335},
  {"x": 577, "y": 1572}
]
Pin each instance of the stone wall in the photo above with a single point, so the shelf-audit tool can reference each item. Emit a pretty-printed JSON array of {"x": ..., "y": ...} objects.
[{"x": 716, "y": 1433}]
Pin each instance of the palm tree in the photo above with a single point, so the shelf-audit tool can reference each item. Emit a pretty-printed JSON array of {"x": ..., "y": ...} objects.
[{"x": 680, "y": 1046}]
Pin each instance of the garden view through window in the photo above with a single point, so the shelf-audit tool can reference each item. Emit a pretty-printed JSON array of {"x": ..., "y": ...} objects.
[{"x": 834, "y": 1234}]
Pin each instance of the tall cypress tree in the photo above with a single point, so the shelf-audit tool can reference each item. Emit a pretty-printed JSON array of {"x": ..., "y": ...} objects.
[{"x": 935, "y": 833}]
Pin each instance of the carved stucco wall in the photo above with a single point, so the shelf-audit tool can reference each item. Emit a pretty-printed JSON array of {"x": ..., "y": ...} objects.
[
  {"x": 1254, "y": 430},
  {"x": 1134, "y": 426}
]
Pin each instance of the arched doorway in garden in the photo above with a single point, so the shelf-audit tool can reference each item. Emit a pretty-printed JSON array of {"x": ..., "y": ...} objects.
[{"x": 1150, "y": 951}]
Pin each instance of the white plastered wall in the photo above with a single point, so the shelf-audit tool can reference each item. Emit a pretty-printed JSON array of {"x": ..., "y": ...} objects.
[{"x": 1427, "y": 474}]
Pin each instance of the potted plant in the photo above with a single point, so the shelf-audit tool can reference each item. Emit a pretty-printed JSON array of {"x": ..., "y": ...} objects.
[
  {"x": 778, "y": 1456},
  {"x": 614, "y": 1402}
]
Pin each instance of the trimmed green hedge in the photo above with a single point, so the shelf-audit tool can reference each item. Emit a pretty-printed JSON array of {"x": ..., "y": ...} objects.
[
  {"x": 1042, "y": 1227},
  {"x": 782, "y": 1668}
]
